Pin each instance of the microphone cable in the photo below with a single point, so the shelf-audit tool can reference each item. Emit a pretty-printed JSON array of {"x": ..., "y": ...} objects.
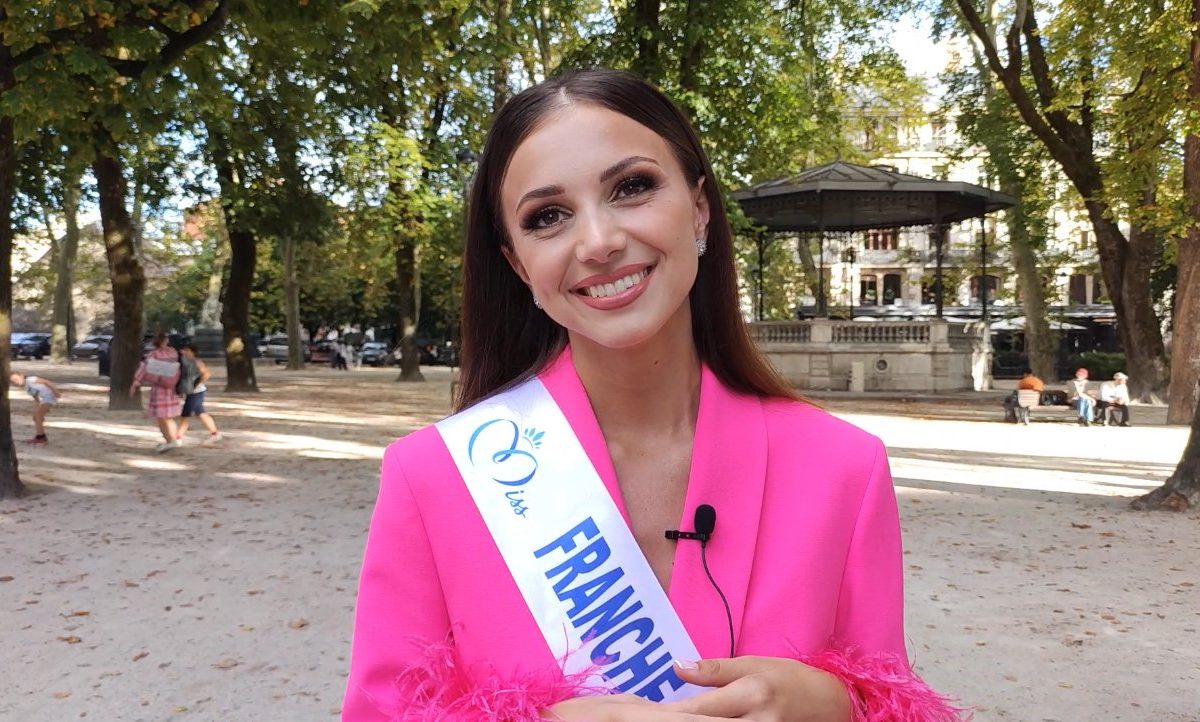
[{"x": 724, "y": 601}]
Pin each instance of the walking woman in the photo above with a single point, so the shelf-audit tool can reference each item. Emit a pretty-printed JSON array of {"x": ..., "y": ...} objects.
[
  {"x": 160, "y": 371},
  {"x": 631, "y": 517}
]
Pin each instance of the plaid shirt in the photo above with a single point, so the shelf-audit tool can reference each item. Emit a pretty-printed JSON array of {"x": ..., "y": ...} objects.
[{"x": 164, "y": 403}]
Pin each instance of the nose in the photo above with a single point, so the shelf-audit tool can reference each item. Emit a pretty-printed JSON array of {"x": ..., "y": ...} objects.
[{"x": 599, "y": 238}]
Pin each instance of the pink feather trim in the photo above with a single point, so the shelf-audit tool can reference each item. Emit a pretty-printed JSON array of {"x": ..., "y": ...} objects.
[
  {"x": 439, "y": 689},
  {"x": 884, "y": 688}
]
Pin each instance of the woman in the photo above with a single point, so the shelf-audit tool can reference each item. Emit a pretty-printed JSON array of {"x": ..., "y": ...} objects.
[
  {"x": 160, "y": 371},
  {"x": 1082, "y": 398},
  {"x": 517, "y": 567}
]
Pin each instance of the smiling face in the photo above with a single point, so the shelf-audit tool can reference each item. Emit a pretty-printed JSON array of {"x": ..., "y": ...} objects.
[{"x": 603, "y": 226}]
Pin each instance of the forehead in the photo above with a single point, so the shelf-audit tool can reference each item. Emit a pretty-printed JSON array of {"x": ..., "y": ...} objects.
[{"x": 577, "y": 142}]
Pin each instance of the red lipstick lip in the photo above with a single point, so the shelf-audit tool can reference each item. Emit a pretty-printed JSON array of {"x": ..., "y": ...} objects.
[{"x": 618, "y": 274}]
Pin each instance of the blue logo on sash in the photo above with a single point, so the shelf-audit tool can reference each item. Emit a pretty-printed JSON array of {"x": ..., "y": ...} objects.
[{"x": 500, "y": 449}]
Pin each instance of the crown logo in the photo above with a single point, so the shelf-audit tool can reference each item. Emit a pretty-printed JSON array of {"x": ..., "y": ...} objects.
[{"x": 534, "y": 436}]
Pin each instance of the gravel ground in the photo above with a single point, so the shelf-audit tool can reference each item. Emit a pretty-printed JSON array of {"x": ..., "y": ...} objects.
[{"x": 218, "y": 584}]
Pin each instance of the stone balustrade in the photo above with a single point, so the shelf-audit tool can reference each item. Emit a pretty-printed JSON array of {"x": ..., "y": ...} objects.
[{"x": 894, "y": 355}]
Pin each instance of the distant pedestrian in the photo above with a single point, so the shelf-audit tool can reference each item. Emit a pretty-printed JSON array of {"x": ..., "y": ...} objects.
[
  {"x": 45, "y": 395},
  {"x": 193, "y": 380},
  {"x": 339, "y": 353},
  {"x": 160, "y": 371}
]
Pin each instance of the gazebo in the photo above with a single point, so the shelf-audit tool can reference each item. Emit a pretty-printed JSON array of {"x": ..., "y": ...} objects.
[{"x": 841, "y": 196}]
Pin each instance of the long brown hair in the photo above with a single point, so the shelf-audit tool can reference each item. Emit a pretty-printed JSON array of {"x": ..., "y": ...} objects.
[{"x": 505, "y": 338}]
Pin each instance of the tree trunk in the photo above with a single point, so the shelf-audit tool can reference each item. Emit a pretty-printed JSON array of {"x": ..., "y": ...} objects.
[
  {"x": 10, "y": 478},
  {"x": 243, "y": 259},
  {"x": 1184, "y": 394},
  {"x": 1182, "y": 489},
  {"x": 1041, "y": 343},
  {"x": 124, "y": 270},
  {"x": 503, "y": 29},
  {"x": 291, "y": 292},
  {"x": 62, "y": 321},
  {"x": 235, "y": 312},
  {"x": 1126, "y": 265},
  {"x": 410, "y": 355},
  {"x": 647, "y": 29}
]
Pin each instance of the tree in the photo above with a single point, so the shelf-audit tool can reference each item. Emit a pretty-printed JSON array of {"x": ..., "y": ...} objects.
[
  {"x": 1182, "y": 489},
  {"x": 1059, "y": 95},
  {"x": 10, "y": 478}
]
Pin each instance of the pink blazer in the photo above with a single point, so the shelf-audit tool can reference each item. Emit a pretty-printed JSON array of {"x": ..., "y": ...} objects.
[{"x": 806, "y": 549}]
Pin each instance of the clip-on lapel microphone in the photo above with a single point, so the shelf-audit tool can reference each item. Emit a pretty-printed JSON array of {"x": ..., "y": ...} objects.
[{"x": 705, "y": 523}]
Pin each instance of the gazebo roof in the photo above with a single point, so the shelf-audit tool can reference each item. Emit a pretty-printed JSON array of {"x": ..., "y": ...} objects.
[{"x": 842, "y": 196}]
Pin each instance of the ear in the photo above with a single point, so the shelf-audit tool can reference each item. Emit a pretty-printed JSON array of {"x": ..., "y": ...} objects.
[
  {"x": 511, "y": 256},
  {"x": 701, "y": 210}
]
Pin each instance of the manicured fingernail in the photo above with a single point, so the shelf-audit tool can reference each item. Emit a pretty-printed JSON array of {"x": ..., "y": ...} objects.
[{"x": 687, "y": 664}]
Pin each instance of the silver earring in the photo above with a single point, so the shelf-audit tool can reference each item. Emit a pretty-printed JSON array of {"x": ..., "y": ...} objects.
[
  {"x": 701, "y": 246},
  {"x": 536, "y": 302}
]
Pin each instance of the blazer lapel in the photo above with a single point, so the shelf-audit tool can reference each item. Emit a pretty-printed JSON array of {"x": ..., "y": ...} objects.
[
  {"x": 729, "y": 464},
  {"x": 728, "y": 472}
]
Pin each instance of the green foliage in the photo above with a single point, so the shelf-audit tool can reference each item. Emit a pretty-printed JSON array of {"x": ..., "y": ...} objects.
[{"x": 1101, "y": 366}]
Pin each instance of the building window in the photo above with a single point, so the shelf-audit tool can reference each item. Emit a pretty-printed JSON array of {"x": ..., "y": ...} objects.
[
  {"x": 868, "y": 291},
  {"x": 884, "y": 239},
  {"x": 991, "y": 284},
  {"x": 941, "y": 172},
  {"x": 939, "y": 133},
  {"x": 1085, "y": 240},
  {"x": 1077, "y": 290},
  {"x": 1099, "y": 295},
  {"x": 891, "y": 289}
]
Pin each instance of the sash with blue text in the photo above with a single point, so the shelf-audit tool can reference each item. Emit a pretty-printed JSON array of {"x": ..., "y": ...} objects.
[{"x": 591, "y": 590}]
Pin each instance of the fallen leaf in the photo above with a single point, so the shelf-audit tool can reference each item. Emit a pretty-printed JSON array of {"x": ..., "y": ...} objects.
[
  {"x": 1081, "y": 526},
  {"x": 227, "y": 663},
  {"x": 6, "y": 579},
  {"x": 61, "y": 695},
  {"x": 140, "y": 655},
  {"x": 298, "y": 623},
  {"x": 70, "y": 640}
]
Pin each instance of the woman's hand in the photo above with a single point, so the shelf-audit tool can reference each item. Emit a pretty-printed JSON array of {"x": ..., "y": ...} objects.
[
  {"x": 764, "y": 689},
  {"x": 620, "y": 708}
]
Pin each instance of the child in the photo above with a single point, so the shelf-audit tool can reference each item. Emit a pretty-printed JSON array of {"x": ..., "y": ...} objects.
[
  {"x": 45, "y": 396},
  {"x": 194, "y": 374}
]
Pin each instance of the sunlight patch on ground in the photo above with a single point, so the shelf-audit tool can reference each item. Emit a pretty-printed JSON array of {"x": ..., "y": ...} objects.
[
  {"x": 248, "y": 476},
  {"x": 73, "y": 461},
  {"x": 157, "y": 464},
  {"x": 1063, "y": 481},
  {"x": 75, "y": 488},
  {"x": 102, "y": 428},
  {"x": 316, "y": 447}
]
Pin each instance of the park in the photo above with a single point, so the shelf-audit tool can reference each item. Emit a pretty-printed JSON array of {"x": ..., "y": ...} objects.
[{"x": 970, "y": 229}]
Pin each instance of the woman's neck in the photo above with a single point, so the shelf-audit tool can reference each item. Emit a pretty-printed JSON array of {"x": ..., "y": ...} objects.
[{"x": 652, "y": 389}]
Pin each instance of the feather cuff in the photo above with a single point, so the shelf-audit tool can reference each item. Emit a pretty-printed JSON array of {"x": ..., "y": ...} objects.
[
  {"x": 884, "y": 688},
  {"x": 438, "y": 689}
]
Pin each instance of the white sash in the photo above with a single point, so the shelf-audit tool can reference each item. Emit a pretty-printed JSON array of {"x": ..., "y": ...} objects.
[{"x": 577, "y": 564}]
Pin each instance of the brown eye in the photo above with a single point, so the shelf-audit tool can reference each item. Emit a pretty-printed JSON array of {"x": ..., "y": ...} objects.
[
  {"x": 542, "y": 219},
  {"x": 633, "y": 186}
]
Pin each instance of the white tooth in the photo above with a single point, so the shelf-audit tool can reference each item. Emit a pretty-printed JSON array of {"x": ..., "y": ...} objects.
[
  {"x": 622, "y": 285},
  {"x": 610, "y": 289},
  {"x": 591, "y": 291}
]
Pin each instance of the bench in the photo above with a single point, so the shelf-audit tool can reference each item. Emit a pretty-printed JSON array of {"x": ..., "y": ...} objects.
[{"x": 1028, "y": 400}]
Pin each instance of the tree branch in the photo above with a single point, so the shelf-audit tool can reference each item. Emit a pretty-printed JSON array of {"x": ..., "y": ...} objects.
[{"x": 1039, "y": 69}]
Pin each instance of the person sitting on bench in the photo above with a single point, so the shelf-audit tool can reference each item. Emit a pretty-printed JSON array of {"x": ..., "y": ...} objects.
[{"x": 1114, "y": 401}]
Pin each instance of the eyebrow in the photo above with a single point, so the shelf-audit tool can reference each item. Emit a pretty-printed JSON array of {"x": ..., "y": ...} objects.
[{"x": 612, "y": 170}]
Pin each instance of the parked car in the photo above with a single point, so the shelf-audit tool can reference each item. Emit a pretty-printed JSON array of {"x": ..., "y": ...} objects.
[
  {"x": 31, "y": 345},
  {"x": 322, "y": 352},
  {"x": 277, "y": 349},
  {"x": 375, "y": 353},
  {"x": 91, "y": 347}
]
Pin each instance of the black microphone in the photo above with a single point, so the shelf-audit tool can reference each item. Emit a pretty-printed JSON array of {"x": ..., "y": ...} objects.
[{"x": 704, "y": 522}]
